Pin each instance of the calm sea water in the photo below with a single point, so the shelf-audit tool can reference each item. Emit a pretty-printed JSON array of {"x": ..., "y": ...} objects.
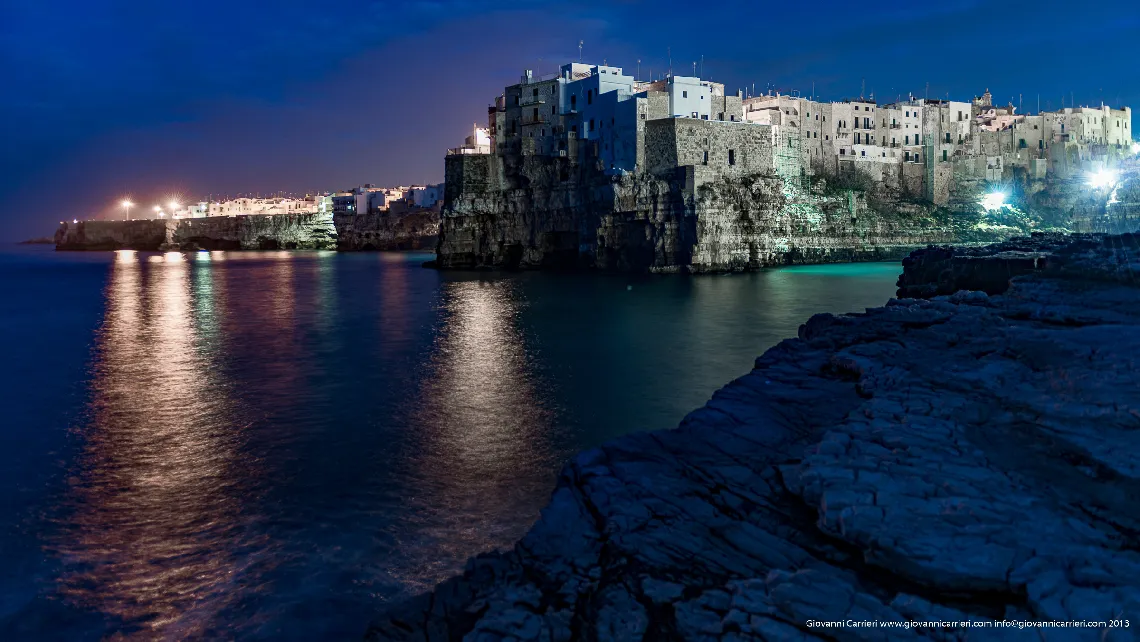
[{"x": 272, "y": 445}]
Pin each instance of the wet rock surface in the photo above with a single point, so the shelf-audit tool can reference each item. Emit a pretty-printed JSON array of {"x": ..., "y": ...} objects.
[{"x": 969, "y": 456}]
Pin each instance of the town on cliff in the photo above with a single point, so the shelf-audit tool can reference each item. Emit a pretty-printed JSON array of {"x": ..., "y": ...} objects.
[{"x": 590, "y": 167}]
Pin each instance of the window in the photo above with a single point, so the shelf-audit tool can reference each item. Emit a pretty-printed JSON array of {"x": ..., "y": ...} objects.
[
  {"x": 552, "y": 110},
  {"x": 704, "y": 117},
  {"x": 694, "y": 114},
  {"x": 516, "y": 100},
  {"x": 842, "y": 152},
  {"x": 536, "y": 92},
  {"x": 642, "y": 116},
  {"x": 732, "y": 117},
  {"x": 574, "y": 102},
  {"x": 591, "y": 125},
  {"x": 534, "y": 114},
  {"x": 948, "y": 137},
  {"x": 684, "y": 94},
  {"x": 706, "y": 161},
  {"x": 863, "y": 153},
  {"x": 732, "y": 157},
  {"x": 908, "y": 140},
  {"x": 589, "y": 96},
  {"x": 944, "y": 154}
]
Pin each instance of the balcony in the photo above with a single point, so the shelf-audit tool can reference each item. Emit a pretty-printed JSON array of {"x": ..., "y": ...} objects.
[
  {"x": 532, "y": 120},
  {"x": 533, "y": 100},
  {"x": 896, "y": 125}
]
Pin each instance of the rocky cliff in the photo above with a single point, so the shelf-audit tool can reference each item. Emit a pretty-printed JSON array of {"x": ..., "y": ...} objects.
[
  {"x": 412, "y": 230},
  {"x": 538, "y": 212},
  {"x": 970, "y": 457},
  {"x": 416, "y": 230}
]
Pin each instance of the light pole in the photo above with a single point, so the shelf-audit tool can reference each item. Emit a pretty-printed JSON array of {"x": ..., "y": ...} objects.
[
  {"x": 127, "y": 205},
  {"x": 158, "y": 210}
]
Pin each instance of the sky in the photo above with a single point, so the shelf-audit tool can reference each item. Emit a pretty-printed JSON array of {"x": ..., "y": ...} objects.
[{"x": 115, "y": 98}]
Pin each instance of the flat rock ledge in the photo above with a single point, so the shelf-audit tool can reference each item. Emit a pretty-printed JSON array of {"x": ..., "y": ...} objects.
[{"x": 971, "y": 456}]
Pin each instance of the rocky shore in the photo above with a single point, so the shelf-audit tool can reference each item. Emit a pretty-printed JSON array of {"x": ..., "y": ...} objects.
[{"x": 970, "y": 455}]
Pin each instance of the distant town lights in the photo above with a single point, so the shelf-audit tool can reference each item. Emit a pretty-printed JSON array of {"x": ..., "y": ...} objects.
[
  {"x": 993, "y": 201},
  {"x": 1103, "y": 178}
]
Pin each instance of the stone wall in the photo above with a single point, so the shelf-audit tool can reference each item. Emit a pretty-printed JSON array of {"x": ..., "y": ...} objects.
[{"x": 730, "y": 148}]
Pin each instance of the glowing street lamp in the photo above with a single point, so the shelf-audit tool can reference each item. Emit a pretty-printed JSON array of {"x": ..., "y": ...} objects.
[
  {"x": 993, "y": 201},
  {"x": 127, "y": 205},
  {"x": 1103, "y": 178},
  {"x": 173, "y": 205}
]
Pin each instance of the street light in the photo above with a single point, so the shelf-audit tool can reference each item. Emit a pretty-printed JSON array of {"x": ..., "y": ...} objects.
[
  {"x": 173, "y": 205},
  {"x": 127, "y": 205},
  {"x": 1103, "y": 178},
  {"x": 993, "y": 201}
]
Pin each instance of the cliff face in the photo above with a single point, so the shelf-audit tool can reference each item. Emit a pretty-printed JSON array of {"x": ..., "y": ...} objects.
[
  {"x": 537, "y": 211},
  {"x": 255, "y": 232},
  {"x": 112, "y": 235},
  {"x": 969, "y": 457},
  {"x": 418, "y": 230}
]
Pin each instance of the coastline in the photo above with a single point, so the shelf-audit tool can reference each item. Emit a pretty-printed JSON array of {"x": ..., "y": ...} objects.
[{"x": 881, "y": 466}]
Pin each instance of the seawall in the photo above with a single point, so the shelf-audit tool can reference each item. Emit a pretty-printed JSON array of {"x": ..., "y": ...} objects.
[{"x": 970, "y": 457}]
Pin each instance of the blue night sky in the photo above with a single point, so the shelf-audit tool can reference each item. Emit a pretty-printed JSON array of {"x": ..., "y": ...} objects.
[{"x": 108, "y": 98}]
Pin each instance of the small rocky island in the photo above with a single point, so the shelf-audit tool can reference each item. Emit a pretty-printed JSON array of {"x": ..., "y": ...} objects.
[{"x": 968, "y": 452}]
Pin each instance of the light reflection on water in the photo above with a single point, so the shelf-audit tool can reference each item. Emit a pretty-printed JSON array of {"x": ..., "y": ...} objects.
[
  {"x": 151, "y": 492},
  {"x": 274, "y": 444}
]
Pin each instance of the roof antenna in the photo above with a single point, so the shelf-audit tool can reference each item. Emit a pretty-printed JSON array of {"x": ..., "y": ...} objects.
[{"x": 580, "y": 51}]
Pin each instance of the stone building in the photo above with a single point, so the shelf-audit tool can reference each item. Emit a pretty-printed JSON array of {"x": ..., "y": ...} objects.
[{"x": 589, "y": 166}]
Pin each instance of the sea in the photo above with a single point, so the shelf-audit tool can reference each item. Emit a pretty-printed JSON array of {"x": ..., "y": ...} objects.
[{"x": 277, "y": 445}]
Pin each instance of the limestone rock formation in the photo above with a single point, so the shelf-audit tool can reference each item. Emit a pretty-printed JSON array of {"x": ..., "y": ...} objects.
[
  {"x": 974, "y": 456},
  {"x": 417, "y": 230},
  {"x": 254, "y": 232},
  {"x": 310, "y": 231}
]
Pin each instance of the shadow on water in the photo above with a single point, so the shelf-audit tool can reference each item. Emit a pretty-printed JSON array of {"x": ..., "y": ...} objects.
[{"x": 270, "y": 445}]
